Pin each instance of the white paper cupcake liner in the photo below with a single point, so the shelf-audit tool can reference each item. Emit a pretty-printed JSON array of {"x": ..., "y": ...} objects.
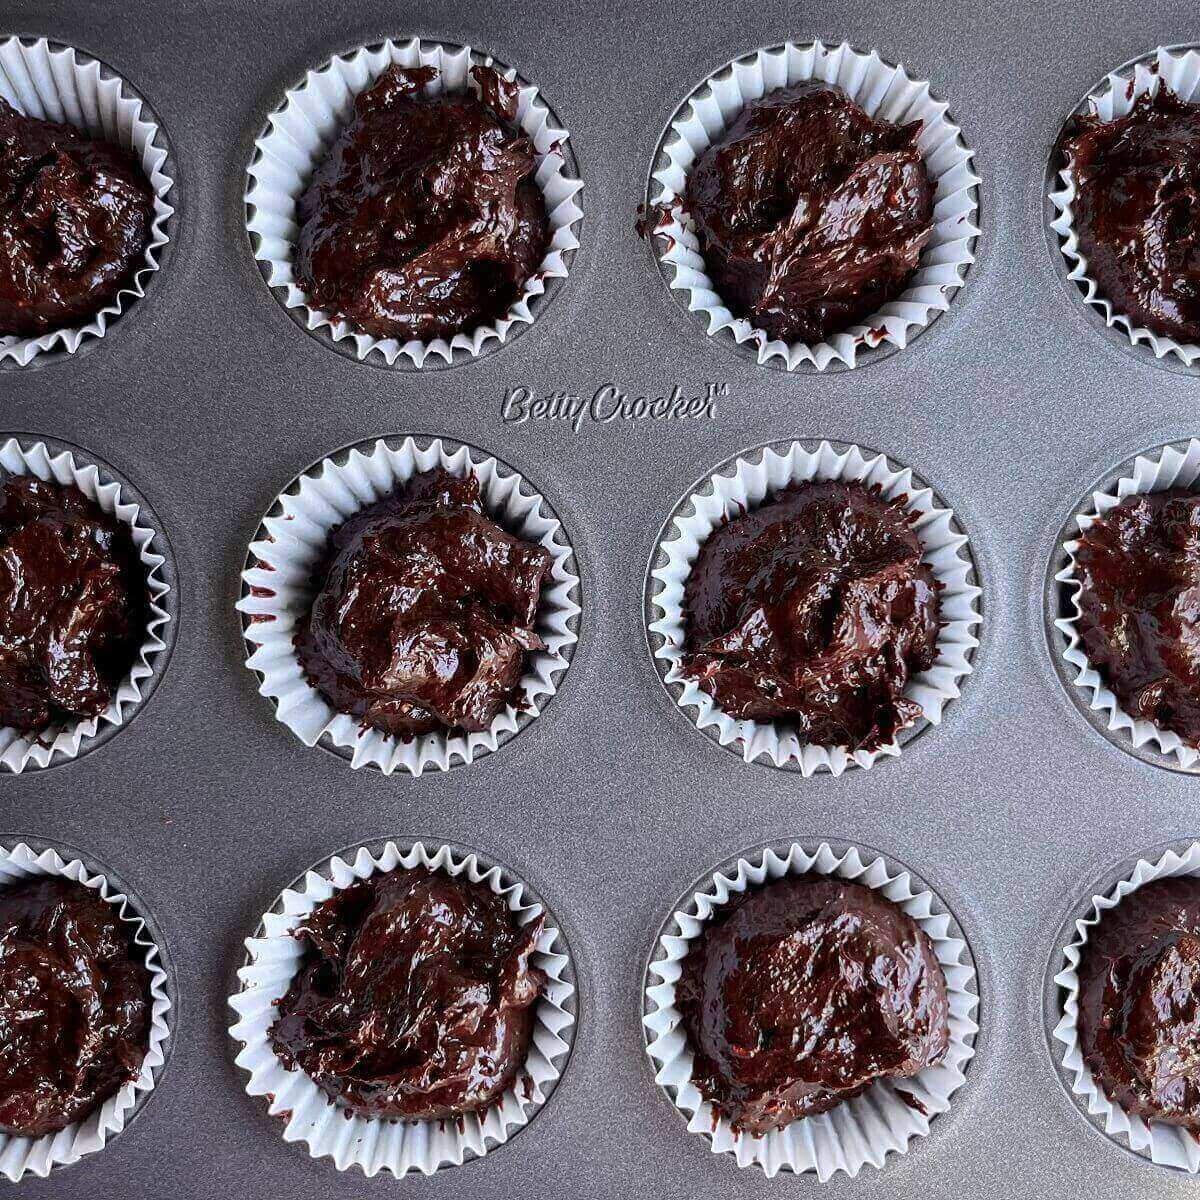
[
  {"x": 298, "y": 135},
  {"x": 278, "y": 590},
  {"x": 20, "y": 1156},
  {"x": 1114, "y": 98},
  {"x": 885, "y": 92},
  {"x": 746, "y": 483},
  {"x": 1170, "y": 467},
  {"x": 273, "y": 957},
  {"x": 22, "y": 751},
  {"x": 56, "y": 83},
  {"x": 862, "y": 1130},
  {"x": 1167, "y": 1145}
]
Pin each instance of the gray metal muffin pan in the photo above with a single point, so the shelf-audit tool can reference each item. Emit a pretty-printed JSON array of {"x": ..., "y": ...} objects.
[{"x": 207, "y": 397}]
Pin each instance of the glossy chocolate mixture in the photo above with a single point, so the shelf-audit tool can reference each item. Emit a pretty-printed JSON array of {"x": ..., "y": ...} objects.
[
  {"x": 1137, "y": 210},
  {"x": 415, "y": 998},
  {"x": 74, "y": 1005},
  {"x": 73, "y": 604},
  {"x": 75, "y": 217},
  {"x": 424, "y": 220},
  {"x": 810, "y": 215},
  {"x": 1139, "y": 1002},
  {"x": 815, "y": 610},
  {"x": 425, "y": 610},
  {"x": 1139, "y": 571},
  {"x": 801, "y": 994}
]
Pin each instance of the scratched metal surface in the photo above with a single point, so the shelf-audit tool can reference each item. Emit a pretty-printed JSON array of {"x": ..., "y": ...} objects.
[{"x": 209, "y": 399}]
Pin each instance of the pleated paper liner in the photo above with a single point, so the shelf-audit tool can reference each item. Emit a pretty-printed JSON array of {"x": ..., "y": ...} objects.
[
  {"x": 71, "y": 467},
  {"x": 1179, "y": 69},
  {"x": 1176, "y": 465},
  {"x": 300, "y": 132},
  {"x": 21, "y": 1156},
  {"x": 53, "y": 82},
  {"x": 1155, "y": 1141},
  {"x": 277, "y": 590},
  {"x": 861, "y": 1131},
  {"x": 885, "y": 92},
  {"x": 399, "y": 1147},
  {"x": 745, "y": 483}
]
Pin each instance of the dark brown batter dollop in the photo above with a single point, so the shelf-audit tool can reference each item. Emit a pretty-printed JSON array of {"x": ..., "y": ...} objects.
[
  {"x": 74, "y": 1005},
  {"x": 75, "y": 218},
  {"x": 73, "y": 604},
  {"x": 801, "y": 994},
  {"x": 415, "y": 999},
  {"x": 1139, "y": 1002},
  {"x": 810, "y": 215},
  {"x": 424, "y": 220},
  {"x": 425, "y": 610},
  {"x": 1139, "y": 572},
  {"x": 815, "y": 609},
  {"x": 1137, "y": 210}
]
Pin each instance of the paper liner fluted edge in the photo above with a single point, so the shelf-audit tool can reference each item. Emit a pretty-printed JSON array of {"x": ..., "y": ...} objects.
[
  {"x": 885, "y": 92},
  {"x": 1167, "y": 1145},
  {"x": 1154, "y": 471},
  {"x": 277, "y": 591},
  {"x": 396, "y": 1146},
  {"x": 46, "y": 79},
  {"x": 743, "y": 484},
  {"x": 1113, "y": 98},
  {"x": 20, "y": 1156},
  {"x": 300, "y": 131},
  {"x": 861, "y": 1131},
  {"x": 29, "y": 456}
]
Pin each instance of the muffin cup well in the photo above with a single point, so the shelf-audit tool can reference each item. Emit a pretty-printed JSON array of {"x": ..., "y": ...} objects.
[
  {"x": 22, "y": 751},
  {"x": 272, "y": 958},
  {"x": 277, "y": 590},
  {"x": 885, "y": 92},
  {"x": 859, "y": 1131},
  {"x": 57, "y": 83},
  {"x": 1113, "y": 98},
  {"x": 20, "y": 1156},
  {"x": 1167, "y": 1145},
  {"x": 299, "y": 134},
  {"x": 1168, "y": 467},
  {"x": 747, "y": 482}
]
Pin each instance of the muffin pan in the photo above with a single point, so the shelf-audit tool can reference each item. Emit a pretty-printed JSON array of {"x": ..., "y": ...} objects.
[{"x": 609, "y": 803}]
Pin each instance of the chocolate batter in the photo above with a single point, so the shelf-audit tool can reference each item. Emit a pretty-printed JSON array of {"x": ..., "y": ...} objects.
[
  {"x": 1139, "y": 571},
  {"x": 75, "y": 217},
  {"x": 425, "y": 610},
  {"x": 424, "y": 220},
  {"x": 74, "y": 1005},
  {"x": 810, "y": 215},
  {"x": 815, "y": 609},
  {"x": 1139, "y": 1002},
  {"x": 73, "y": 604},
  {"x": 801, "y": 994},
  {"x": 415, "y": 998},
  {"x": 1137, "y": 208}
]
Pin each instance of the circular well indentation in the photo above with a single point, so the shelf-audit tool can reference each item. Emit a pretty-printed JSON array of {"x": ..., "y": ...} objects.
[
  {"x": 274, "y": 186},
  {"x": 260, "y": 602},
  {"x": 957, "y": 642},
  {"x": 1057, "y": 605},
  {"x": 563, "y": 1005},
  {"x": 865, "y": 77}
]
